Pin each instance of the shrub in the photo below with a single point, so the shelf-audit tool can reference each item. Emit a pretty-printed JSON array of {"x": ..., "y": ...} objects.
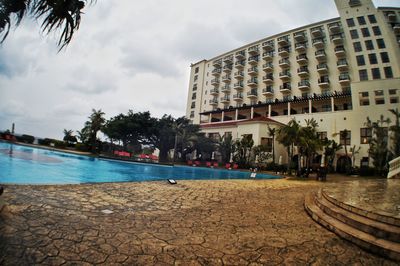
[
  {"x": 26, "y": 138},
  {"x": 45, "y": 141},
  {"x": 59, "y": 144},
  {"x": 81, "y": 147}
]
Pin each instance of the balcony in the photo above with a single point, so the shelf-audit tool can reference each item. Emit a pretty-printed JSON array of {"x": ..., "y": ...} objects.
[
  {"x": 268, "y": 91},
  {"x": 268, "y": 46},
  {"x": 284, "y": 63},
  {"x": 238, "y": 86},
  {"x": 300, "y": 47},
  {"x": 238, "y": 75},
  {"x": 239, "y": 65},
  {"x": 240, "y": 55},
  {"x": 317, "y": 32},
  {"x": 252, "y": 94},
  {"x": 323, "y": 82},
  {"x": 337, "y": 39},
  {"x": 284, "y": 51},
  {"x": 303, "y": 72},
  {"x": 226, "y": 79},
  {"x": 214, "y": 91},
  {"x": 396, "y": 29},
  {"x": 344, "y": 79},
  {"x": 391, "y": 17},
  {"x": 214, "y": 101},
  {"x": 285, "y": 75},
  {"x": 334, "y": 28},
  {"x": 302, "y": 59},
  {"x": 300, "y": 36},
  {"x": 283, "y": 41},
  {"x": 253, "y": 50},
  {"x": 354, "y": 3},
  {"x": 320, "y": 55},
  {"x": 253, "y": 60},
  {"x": 253, "y": 82},
  {"x": 342, "y": 65},
  {"x": 303, "y": 85},
  {"x": 268, "y": 67},
  {"x": 238, "y": 97},
  {"x": 226, "y": 89},
  {"x": 318, "y": 43},
  {"x": 227, "y": 69},
  {"x": 268, "y": 79},
  {"x": 228, "y": 59},
  {"x": 215, "y": 82},
  {"x": 322, "y": 68},
  {"x": 217, "y": 63},
  {"x": 286, "y": 87},
  {"x": 216, "y": 72},
  {"x": 225, "y": 99},
  {"x": 340, "y": 52},
  {"x": 268, "y": 56},
  {"x": 252, "y": 71}
]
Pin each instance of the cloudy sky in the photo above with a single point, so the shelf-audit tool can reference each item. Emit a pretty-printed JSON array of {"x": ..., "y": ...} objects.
[{"x": 131, "y": 55}]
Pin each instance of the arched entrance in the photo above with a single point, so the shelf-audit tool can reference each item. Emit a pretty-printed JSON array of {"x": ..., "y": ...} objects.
[{"x": 343, "y": 163}]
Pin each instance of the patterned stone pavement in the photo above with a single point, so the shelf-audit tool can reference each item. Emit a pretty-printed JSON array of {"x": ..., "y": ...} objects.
[{"x": 241, "y": 222}]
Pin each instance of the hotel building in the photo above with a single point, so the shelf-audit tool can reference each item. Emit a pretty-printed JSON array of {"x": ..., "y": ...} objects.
[{"x": 338, "y": 71}]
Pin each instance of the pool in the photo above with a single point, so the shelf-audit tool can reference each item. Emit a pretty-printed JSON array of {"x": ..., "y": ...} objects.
[{"x": 26, "y": 165}]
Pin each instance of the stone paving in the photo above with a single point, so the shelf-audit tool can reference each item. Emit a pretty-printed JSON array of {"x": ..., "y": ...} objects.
[{"x": 240, "y": 222}]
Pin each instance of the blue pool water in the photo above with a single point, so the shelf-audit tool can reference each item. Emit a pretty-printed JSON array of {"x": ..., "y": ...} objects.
[{"x": 25, "y": 165}]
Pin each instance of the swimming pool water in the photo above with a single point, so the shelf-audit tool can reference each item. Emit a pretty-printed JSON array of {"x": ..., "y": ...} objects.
[{"x": 26, "y": 165}]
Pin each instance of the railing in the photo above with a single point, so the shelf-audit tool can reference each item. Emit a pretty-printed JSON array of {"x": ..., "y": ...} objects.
[{"x": 394, "y": 168}]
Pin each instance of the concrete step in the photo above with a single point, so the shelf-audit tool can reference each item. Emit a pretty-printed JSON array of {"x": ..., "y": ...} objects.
[
  {"x": 367, "y": 225},
  {"x": 368, "y": 214},
  {"x": 364, "y": 240}
]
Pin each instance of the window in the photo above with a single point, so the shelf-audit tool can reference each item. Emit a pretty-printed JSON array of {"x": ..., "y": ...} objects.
[
  {"x": 193, "y": 105},
  {"x": 322, "y": 135},
  {"x": 380, "y": 101},
  {"x": 196, "y": 70},
  {"x": 376, "y": 30},
  {"x": 350, "y": 22},
  {"x": 369, "y": 45},
  {"x": 191, "y": 114},
  {"x": 361, "y": 20},
  {"x": 392, "y": 92},
  {"x": 195, "y": 78},
  {"x": 345, "y": 137},
  {"x": 372, "y": 59},
  {"x": 194, "y": 96},
  {"x": 365, "y": 32},
  {"x": 214, "y": 136},
  {"x": 360, "y": 60},
  {"x": 388, "y": 72},
  {"x": 365, "y": 135},
  {"x": 364, "y": 100},
  {"x": 357, "y": 47},
  {"x": 354, "y": 34},
  {"x": 394, "y": 100},
  {"x": 267, "y": 143},
  {"x": 194, "y": 87},
  {"x": 381, "y": 43},
  {"x": 372, "y": 19},
  {"x": 363, "y": 74},
  {"x": 326, "y": 108},
  {"x": 378, "y": 93},
  {"x": 376, "y": 74},
  {"x": 385, "y": 57}
]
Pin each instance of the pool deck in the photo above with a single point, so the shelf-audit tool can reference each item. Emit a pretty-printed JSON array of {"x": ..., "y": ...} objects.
[{"x": 226, "y": 222}]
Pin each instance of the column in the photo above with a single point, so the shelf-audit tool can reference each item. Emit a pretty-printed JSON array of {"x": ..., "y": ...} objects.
[
  {"x": 309, "y": 107},
  {"x": 333, "y": 104},
  {"x": 236, "y": 114},
  {"x": 209, "y": 118},
  {"x": 269, "y": 110},
  {"x": 222, "y": 116},
  {"x": 288, "y": 108},
  {"x": 251, "y": 112}
]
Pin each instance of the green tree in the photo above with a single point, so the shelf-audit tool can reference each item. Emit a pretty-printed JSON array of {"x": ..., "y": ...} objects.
[
  {"x": 94, "y": 125},
  {"x": 344, "y": 136},
  {"x": 395, "y": 129},
  {"x": 243, "y": 148},
  {"x": 378, "y": 146},
  {"x": 354, "y": 151},
  {"x": 69, "y": 138},
  {"x": 226, "y": 147},
  {"x": 288, "y": 137},
  {"x": 308, "y": 141},
  {"x": 54, "y": 15},
  {"x": 261, "y": 154},
  {"x": 331, "y": 148}
]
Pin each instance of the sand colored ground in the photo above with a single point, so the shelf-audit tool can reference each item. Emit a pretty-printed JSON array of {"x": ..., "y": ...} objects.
[{"x": 239, "y": 222}]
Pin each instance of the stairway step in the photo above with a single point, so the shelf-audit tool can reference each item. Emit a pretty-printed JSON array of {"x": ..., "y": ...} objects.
[
  {"x": 370, "y": 226},
  {"x": 369, "y": 242},
  {"x": 368, "y": 214}
]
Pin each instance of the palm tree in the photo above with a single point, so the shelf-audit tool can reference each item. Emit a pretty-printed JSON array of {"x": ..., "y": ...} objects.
[
  {"x": 225, "y": 147},
  {"x": 69, "y": 137},
  {"x": 331, "y": 147},
  {"x": 95, "y": 124},
  {"x": 309, "y": 141},
  {"x": 55, "y": 15},
  {"x": 396, "y": 132},
  {"x": 354, "y": 150},
  {"x": 272, "y": 132},
  {"x": 288, "y": 137}
]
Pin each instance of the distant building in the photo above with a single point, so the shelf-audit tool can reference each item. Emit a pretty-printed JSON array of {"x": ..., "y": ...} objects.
[{"x": 338, "y": 71}]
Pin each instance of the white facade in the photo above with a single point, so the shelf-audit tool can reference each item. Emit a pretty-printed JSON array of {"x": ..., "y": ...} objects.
[{"x": 338, "y": 71}]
